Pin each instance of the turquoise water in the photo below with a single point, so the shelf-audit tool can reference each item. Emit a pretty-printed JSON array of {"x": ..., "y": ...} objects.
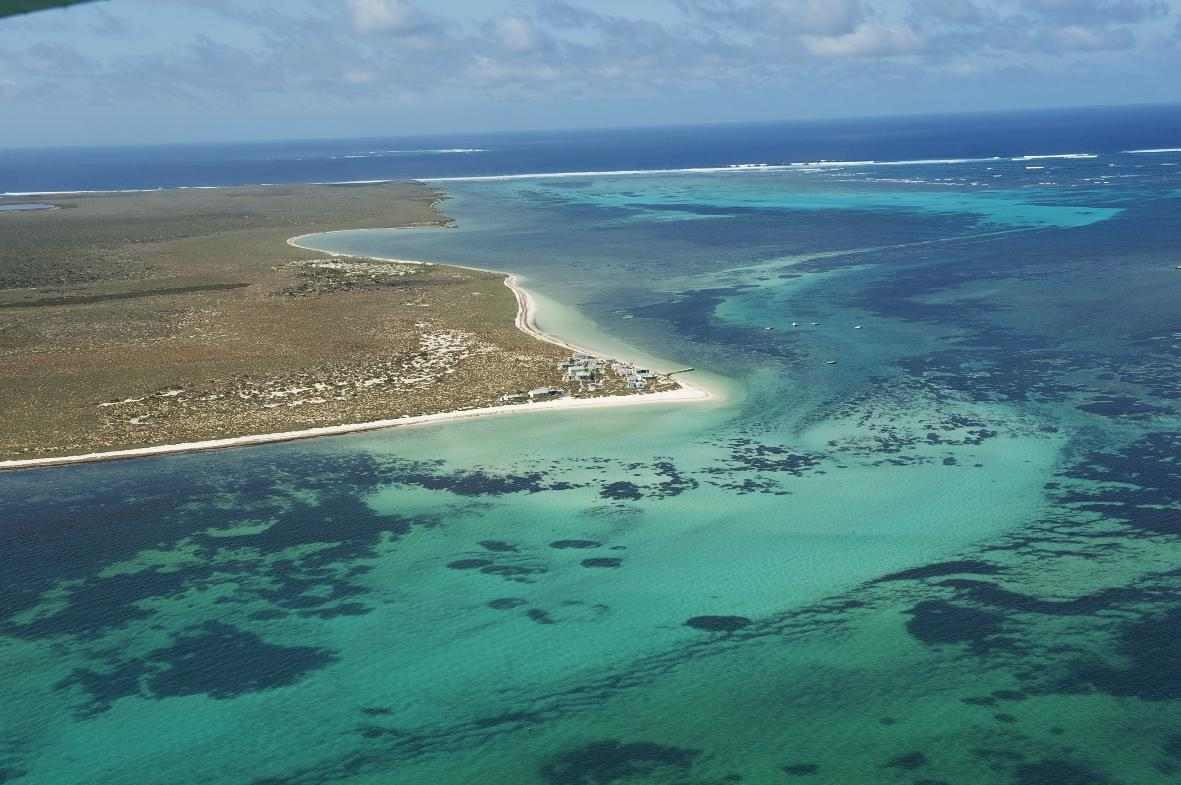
[{"x": 950, "y": 557}]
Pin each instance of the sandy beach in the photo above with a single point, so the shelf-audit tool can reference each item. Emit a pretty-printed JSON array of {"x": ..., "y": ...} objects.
[{"x": 525, "y": 321}]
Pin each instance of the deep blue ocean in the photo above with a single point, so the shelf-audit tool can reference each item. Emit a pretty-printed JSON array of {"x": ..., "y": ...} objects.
[
  {"x": 1005, "y": 134},
  {"x": 927, "y": 533}
]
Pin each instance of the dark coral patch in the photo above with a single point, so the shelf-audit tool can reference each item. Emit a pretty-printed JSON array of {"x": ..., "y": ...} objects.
[
  {"x": 1056, "y": 772},
  {"x": 621, "y": 491},
  {"x": 107, "y": 602},
  {"x": 498, "y": 546},
  {"x": 508, "y": 718},
  {"x": 539, "y": 616},
  {"x": 104, "y": 689},
  {"x": 468, "y": 564},
  {"x": 936, "y": 621},
  {"x": 1153, "y": 672},
  {"x": 605, "y": 762},
  {"x": 801, "y": 769},
  {"x": 990, "y": 594},
  {"x": 942, "y": 569},
  {"x": 344, "y": 609},
  {"x": 504, "y": 603},
  {"x": 574, "y": 544},
  {"x": 908, "y": 761},
  {"x": 718, "y": 623},
  {"x": 603, "y": 562},
  {"x": 511, "y": 571},
  {"x": 222, "y": 661},
  {"x": 474, "y": 483},
  {"x": 270, "y": 614}
]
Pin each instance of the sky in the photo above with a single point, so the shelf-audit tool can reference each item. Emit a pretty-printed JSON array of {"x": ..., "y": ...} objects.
[{"x": 143, "y": 71}]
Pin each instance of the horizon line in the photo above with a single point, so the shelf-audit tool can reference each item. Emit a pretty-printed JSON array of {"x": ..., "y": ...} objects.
[{"x": 607, "y": 128}]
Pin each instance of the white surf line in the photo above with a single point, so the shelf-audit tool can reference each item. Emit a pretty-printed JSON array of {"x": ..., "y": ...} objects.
[
  {"x": 1055, "y": 155},
  {"x": 524, "y": 321},
  {"x": 795, "y": 166}
]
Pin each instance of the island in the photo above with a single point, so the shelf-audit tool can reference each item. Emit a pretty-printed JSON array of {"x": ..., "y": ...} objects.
[{"x": 159, "y": 321}]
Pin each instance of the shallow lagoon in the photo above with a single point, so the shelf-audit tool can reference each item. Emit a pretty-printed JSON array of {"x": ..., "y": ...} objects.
[{"x": 950, "y": 557}]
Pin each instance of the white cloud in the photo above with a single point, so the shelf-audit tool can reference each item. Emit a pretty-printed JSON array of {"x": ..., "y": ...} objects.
[
  {"x": 10, "y": 89},
  {"x": 52, "y": 60},
  {"x": 1125, "y": 11},
  {"x": 814, "y": 17},
  {"x": 956, "y": 12},
  {"x": 384, "y": 16},
  {"x": 486, "y": 70},
  {"x": 1077, "y": 37},
  {"x": 514, "y": 33},
  {"x": 868, "y": 40}
]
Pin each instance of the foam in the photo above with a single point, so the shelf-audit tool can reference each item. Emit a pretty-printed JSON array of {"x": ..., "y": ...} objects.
[
  {"x": 1155, "y": 150},
  {"x": 384, "y": 153},
  {"x": 1054, "y": 155},
  {"x": 608, "y": 173},
  {"x": 809, "y": 166}
]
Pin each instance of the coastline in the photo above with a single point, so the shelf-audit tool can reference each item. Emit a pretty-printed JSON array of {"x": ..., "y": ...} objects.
[{"x": 525, "y": 321}]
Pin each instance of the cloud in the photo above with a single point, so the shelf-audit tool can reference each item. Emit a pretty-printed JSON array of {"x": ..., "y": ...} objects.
[
  {"x": 954, "y": 12},
  {"x": 868, "y": 40},
  {"x": 515, "y": 33},
  {"x": 52, "y": 60},
  {"x": 557, "y": 13},
  {"x": 395, "y": 50},
  {"x": 396, "y": 17},
  {"x": 1079, "y": 38},
  {"x": 488, "y": 70},
  {"x": 814, "y": 17},
  {"x": 1115, "y": 11},
  {"x": 10, "y": 90}
]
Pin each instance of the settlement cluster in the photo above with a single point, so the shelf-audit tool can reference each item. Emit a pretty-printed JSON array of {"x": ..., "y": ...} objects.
[{"x": 589, "y": 373}]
